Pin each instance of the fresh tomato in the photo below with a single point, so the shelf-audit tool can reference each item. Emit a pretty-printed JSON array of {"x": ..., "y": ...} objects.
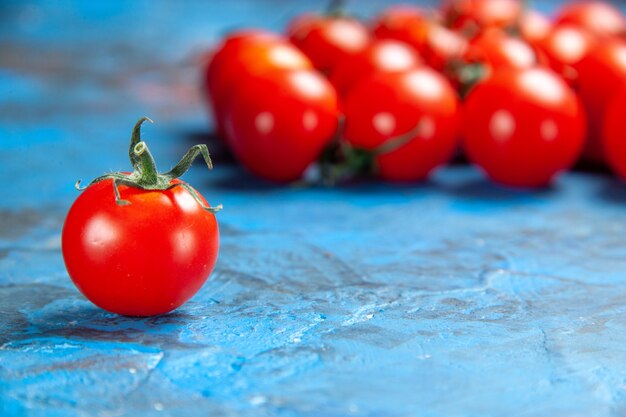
[
  {"x": 534, "y": 26},
  {"x": 523, "y": 126},
  {"x": 472, "y": 16},
  {"x": 614, "y": 133},
  {"x": 387, "y": 106},
  {"x": 495, "y": 49},
  {"x": 600, "y": 75},
  {"x": 381, "y": 56},
  {"x": 597, "y": 17},
  {"x": 243, "y": 53},
  {"x": 279, "y": 125},
  {"x": 141, "y": 243},
  {"x": 564, "y": 47},
  {"x": 328, "y": 39},
  {"x": 435, "y": 44}
]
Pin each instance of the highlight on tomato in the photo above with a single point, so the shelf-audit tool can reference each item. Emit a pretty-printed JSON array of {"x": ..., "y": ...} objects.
[
  {"x": 598, "y": 17},
  {"x": 523, "y": 126},
  {"x": 407, "y": 123},
  {"x": 141, "y": 243}
]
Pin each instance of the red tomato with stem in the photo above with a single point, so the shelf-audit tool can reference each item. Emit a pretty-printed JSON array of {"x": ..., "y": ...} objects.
[
  {"x": 598, "y": 17},
  {"x": 279, "y": 125},
  {"x": 141, "y": 243},
  {"x": 564, "y": 47},
  {"x": 244, "y": 53},
  {"x": 523, "y": 126},
  {"x": 328, "y": 39},
  {"x": 381, "y": 56},
  {"x": 601, "y": 73},
  {"x": 614, "y": 133},
  {"x": 390, "y": 105}
]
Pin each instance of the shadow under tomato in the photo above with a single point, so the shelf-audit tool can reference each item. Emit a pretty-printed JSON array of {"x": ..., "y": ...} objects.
[
  {"x": 612, "y": 190},
  {"x": 482, "y": 189}
]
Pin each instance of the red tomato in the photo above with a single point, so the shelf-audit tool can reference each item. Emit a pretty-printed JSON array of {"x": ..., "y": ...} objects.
[
  {"x": 435, "y": 44},
  {"x": 389, "y": 105},
  {"x": 328, "y": 39},
  {"x": 495, "y": 49},
  {"x": 244, "y": 53},
  {"x": 534, "y": 26},
  {"x": 614, "y": 133},
  {"x": 380, "y": 56},
  {"x": 523, "y": 126},
  {"x": 471, "y": 16},
  {"x": 598, "y": 17},
  {"x": 600, "y": 74},
  {"x": 279, "y": 125},
  {"x": 564, "y": 47},
  {"x": 152, "y": 254}
]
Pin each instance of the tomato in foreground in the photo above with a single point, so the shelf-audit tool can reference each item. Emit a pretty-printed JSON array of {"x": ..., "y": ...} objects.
[
  {"x": 279, "y": 125},
  {"x": 409, "y": 121},
  {"x": 523, "y": 126},
  {"x": 141, "y": 243},
  {"x": 244, "y": 53}
]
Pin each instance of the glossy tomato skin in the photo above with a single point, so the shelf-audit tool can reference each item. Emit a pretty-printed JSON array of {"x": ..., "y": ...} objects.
[
  {"x": 598, "y": 17},
  {"x": 279, "y": 125},
  {"x": 143, "y": 259},
  {"x": 523, "y": 126},
  {"x": 600, "y": 74},
  {"x": 614, "y": 133},
  {"x": 437, "y": 45},
  {"x": 564, "y": 48},
  {"x": 473, "y": 16},
  {"x": 328, "y": 39},
  {"x": 495, "y": 49},
  {"x": 534, "y": 26},
  {"x": 384, "y": 55},
  {"x": 388, "y": 105},
  {"x": 244, "y": 53}
]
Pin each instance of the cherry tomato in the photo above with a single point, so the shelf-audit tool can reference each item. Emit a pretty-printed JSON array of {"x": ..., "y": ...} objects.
[
  {"x": 600, "y": 74},
  {"x": 472, "y": 16},
  {"x": 534, "y": 26},
  {"x": 328, "y": 39},
  {"x": 380, "y": 56},
  {"x": 495, "y": 49},
  {"x": 614, "y": 133},
  {"x": 564, "y": 47},
  {"x": 244, "y": 53},
  {"x": 597, "y": 17},
  {"x": 523, "y": 126},
  {"x": 146, "y": 252},
  {"x": 279, "y": 125},
  {"x": 414, "y": 26},
  {"x": 389, "y": 105}
]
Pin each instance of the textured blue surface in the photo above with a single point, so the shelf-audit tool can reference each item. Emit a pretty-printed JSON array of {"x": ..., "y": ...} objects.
[{"x": 452, "y": 298}]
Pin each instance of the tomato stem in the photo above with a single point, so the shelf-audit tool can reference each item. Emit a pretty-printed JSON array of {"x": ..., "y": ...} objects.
[{"x": 145, "y": 175}]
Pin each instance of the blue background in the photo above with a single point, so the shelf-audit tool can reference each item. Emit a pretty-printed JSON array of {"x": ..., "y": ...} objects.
[{"x": 450, "y": 298}]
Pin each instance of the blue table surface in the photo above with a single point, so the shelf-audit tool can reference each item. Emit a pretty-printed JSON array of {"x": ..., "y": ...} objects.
[{"x": 450, "y": 298}]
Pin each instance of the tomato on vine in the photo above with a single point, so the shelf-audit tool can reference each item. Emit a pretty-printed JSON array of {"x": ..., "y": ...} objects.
[
  {"x": 523, "y": 126},
  {"x": 407, "y": 123},
  {"x": 141, "y": 243}
]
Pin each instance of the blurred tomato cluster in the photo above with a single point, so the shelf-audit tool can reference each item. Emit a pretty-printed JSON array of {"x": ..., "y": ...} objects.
[{"x": 521, "y": 95}]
